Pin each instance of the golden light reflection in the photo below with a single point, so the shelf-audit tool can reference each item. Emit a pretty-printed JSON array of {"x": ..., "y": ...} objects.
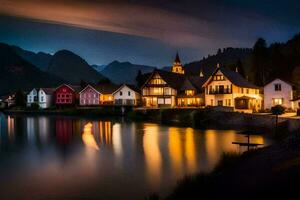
[
  {"x": 175, "y": 149},
  {"x": 211, "y": 146},
  {"x": 190, "y": 149},
  {"x": 152, "y": 153},
  {"x": 117, "y": 139},
  {"x": 11, "y": 127},
  {"x": 88, "y": 138}
]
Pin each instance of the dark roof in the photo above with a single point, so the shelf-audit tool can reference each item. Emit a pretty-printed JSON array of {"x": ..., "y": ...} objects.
[
  {"x": 134, "y": 88},
  {"x": 236, "y": 78},
  {"x": 76, "y": 88},
  {"x": 48, "y": 90},
  {"x": 197, "y": 81},
  {"x": 174, "y": 80},
  {"x": 177, "y": 59},
  {"x": 106, "y": 88}
]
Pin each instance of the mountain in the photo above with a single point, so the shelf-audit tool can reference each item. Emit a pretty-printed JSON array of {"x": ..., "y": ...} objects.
[
  {"x": 17, "y": 73},
  {"x": 228, "y": 57},
  {"x": 72, "y": 68},
  {"x": 40, "y": 59},
  {"x": 124, "y": 72},
  {"x": 98, "y": 68}
]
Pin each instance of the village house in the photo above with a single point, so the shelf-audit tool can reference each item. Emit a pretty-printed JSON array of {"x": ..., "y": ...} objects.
[
  {"x": 89, "y": 96},
  {"x": 45, "y": 99},
  {"x": 101, "y": 94},
  {"x": 32, "y": 97},
  {"x": 127, "y": 95},
  {"x": 278, "y": 92},
  {"x": 228, "y": 88},
  {"x": 106, "y": 90},
  {"x": 170, "y": 89},
  {"x": 66, "y": 95}
]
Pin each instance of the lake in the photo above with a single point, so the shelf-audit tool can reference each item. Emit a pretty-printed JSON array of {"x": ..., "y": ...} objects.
[{"x": 53, "y": 157}]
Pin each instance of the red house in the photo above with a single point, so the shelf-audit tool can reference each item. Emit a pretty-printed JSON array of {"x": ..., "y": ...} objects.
[{"x": 66, "y": 95}]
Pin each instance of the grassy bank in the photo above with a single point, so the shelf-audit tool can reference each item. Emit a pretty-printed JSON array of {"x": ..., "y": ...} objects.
[{"x": 270, "y": 172}]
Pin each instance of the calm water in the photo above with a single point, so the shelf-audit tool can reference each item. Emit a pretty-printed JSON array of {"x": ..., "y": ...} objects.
[{"x": 77, "y": 158}]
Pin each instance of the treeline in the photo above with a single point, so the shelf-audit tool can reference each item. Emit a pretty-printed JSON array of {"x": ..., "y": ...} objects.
[
  {"x": 279, "y": 60},
  {"x": 260, "y": 64}
]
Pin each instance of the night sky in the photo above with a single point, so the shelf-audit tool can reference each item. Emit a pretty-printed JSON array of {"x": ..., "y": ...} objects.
[{"x": 145, "y": 31}]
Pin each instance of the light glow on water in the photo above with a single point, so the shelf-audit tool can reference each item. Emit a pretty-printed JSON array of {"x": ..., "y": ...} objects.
[{"x": 67, "y": 157}]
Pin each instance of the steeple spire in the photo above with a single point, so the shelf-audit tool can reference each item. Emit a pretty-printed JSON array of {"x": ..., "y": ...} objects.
[
  {"x": 177, "y": 59},
  {"x": 177, "y": 66}
]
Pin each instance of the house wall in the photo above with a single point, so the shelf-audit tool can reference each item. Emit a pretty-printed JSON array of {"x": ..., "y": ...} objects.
[
  {"x": 106, "y": 99},
  {"x": 89, "y": 97},
  {"x": 64, "y": 96},
  {"x": 126, "y": 96},
  {"x": 229, "y": 99},
  {"x": 45, "y": 100},
  {"x": 286, "y": 94},
  {"x": 158, "y": 94},
  {"x": 32, "y": 97}
]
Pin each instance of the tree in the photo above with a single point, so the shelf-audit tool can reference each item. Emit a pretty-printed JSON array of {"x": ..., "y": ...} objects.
[
  {"x": 260, "y": 62},
  {"x": 139, "y": 78},
  {"x": 20, "y": 98},
  {"x": 83, "y": 84},
  {"x": 240, "y": 68},
  {"x": 277, "y": 110}
]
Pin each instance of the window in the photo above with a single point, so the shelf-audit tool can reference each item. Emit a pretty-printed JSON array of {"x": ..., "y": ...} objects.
[
  {"x": 220, "y": 103},
  {"x": 277, "y": 101},
  {"x": 42, "y": 98},
  {"x": 247, "y": 91},
  {"x": 121, "y": 93},
  {"x": 157, "y": 80},
  {"x": 189, "y": 92},
  {"x": 128, "y": 93},
  {"x": 277, "y": 87}
]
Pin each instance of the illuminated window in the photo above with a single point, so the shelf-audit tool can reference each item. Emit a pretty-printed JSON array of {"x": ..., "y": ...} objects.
[
  {"x": 157, "y": 80},
  {"x": 277, "y": 101},
  {"x": 189, "y": 92}
]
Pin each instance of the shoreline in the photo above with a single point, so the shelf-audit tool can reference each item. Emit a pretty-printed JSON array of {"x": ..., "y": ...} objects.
[{"x": 183, "y": 117}]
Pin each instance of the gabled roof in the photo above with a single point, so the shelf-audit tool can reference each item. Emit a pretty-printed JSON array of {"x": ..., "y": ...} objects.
[
  {"x": 174, "y": 80},
  {"x": 132, "y": 87},
  {"x": 75, "y": 88},
  {"x": 286, "y": 81},
  {"x": 234, "y": 77},
  {"x": 48, "y": 91},
  {"x": 90, "y": 86},
  {"x": 177, "y": 59}
]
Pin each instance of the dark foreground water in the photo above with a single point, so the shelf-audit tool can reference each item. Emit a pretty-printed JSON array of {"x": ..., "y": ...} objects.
[{"x": 76, "y": 158}]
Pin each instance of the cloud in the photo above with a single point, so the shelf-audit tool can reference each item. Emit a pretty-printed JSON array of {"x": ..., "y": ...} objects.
[{"x": 177, "y": 23}]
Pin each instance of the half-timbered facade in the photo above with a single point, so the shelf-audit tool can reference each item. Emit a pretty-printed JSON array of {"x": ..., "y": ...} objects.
[{"x": 228, "y": 88}]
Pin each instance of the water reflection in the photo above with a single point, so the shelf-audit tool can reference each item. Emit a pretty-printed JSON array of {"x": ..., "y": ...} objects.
[
  {"x": 88, "y": 137},
  {"x": 105, "y": 155}
]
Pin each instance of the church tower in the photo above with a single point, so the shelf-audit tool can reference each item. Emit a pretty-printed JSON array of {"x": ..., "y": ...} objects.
[{"x": 177, "y": 66}]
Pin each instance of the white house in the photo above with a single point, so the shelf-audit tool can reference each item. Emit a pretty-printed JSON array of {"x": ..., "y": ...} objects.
[
  {"x": 45, "y": 97},
  {"x": 278, "y": 92},
  {"x": 127, "y": 95},
  {"x": 32, "y": 97},
  {"x": 228, "y": 88}
]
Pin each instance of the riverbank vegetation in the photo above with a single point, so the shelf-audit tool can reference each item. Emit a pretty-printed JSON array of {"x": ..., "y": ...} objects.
[{"x": 269, "y": 172}]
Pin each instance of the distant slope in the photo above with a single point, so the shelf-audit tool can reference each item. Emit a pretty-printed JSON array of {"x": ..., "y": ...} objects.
[
  {"x": 40, "y": 59},
  {"x": 124, "y": 72},
  {"x": 228, "y": 57},
  {"x": 17, "y": 73},
  {"x": 98, "y": 68},
  {"x": 72, "y": 68}
]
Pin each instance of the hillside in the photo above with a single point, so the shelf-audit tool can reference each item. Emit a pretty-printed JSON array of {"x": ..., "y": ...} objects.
[
  {"x": 16, "y": 73},
  {"x": 40, "y": 59},
  {"x": 124, "y": 72},
  {"x": 228, "y": 57},
  {"x": 72, "y": 68}
]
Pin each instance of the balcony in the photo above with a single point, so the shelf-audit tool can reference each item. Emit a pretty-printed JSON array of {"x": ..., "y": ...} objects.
[{"x": 220, "y": 91}]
